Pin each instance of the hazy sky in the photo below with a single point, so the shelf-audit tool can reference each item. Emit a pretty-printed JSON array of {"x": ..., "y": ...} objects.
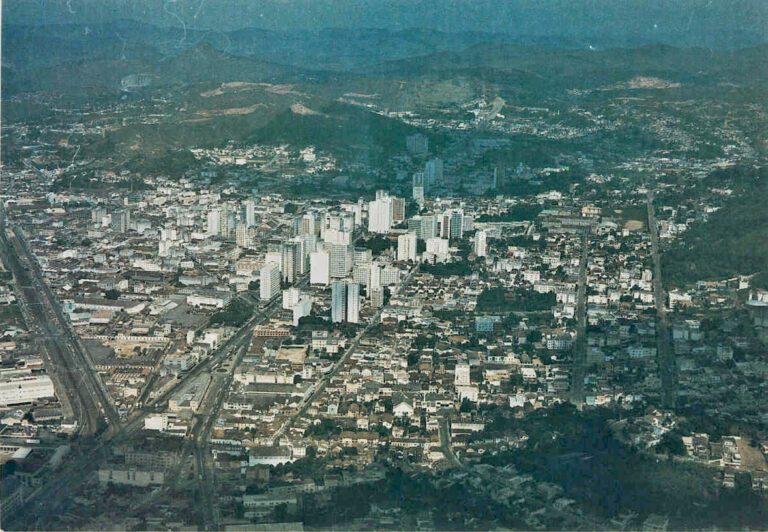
[{"x": 689, "y": 21}]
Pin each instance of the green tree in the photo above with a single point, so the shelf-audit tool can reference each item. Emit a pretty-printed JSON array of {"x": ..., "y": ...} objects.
[
  {"x": 671, "y": 443},
  {"x": 112, "y": 294}
]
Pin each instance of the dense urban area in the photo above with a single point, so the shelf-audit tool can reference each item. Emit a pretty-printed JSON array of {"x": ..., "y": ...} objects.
[{"x": 433, "y": 296}]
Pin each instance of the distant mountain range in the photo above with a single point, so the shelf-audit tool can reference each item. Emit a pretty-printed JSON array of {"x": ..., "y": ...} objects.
[
  {"x": 718, "y": 24},
  {"x": 331, "y": 49},
  {"x": 91, "y": 59},
  {"x": 311, "y": 88}
]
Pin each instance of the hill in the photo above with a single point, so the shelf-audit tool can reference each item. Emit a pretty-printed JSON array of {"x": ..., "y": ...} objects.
[
  {"x": 587, "y": 68},
  {"x": 337, "y": 127},
  {"x": 731, "y": 242}
]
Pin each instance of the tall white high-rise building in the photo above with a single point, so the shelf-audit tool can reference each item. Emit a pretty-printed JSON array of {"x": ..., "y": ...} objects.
[
  {"x": 428, "y": 227},
  {"x": 169, "y": 234},
  {"x": 340, "y": 261},
  {"x": 380, "y": 215},
  {"x": 361, "y": 256},
  {"x": 356, "y": 209},
  {"x": 353, "y": 303},
  {"x": 377, "y": 297},
  {"x": 214, "y": 222},
  {"x": 308, "y": 244},
  {"x": 345, "y": 302},
  {"x": 275, "y": 257},
  {"x": 467, "y": 223},
  {"x": 390, "y": 275},
  {"x": 243, "y": 236},
  {"x": 269, "y": 278},
  {"x": 374, "y": 276},
  {"x": 437, "y": 248},
  {"x": 226, "y": 222},
  {"x": 457, "y": 223},
  {"x": 361, "y": 273},
  {"x": 291, "y": 252},
  {"x": 249, "y": 213},
  {"x": 444, "y": 225},
  {"x": 481, "y": 243},
  {"x": 338, "y": 228},
  {"x": 406, "y": 247},
  {"x": 307, "y": 225},
  {"x": 320, "y": 267},
  {"x": 338, "y": 301},
  {"x": 121, "y": 221},
  {"x": 418, "y": 188}
]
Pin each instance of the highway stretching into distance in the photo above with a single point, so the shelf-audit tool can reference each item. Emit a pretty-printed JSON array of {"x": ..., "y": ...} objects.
[
  {"x": 579, "y": 369},
  {"x": 83, "y": 387},
  {"x": 665, "y": 356},
  {"x": 73, "y": 371}
]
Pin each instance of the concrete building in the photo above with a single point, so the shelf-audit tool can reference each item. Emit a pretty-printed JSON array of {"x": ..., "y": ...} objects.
[
  {"x": 417, "y": 191},
  {"x": 249, "y": 213},
  {"x": 340, "y": 260},
  {"x": 338, "y": 301},
  {"x": 21, "y": 386},
  {"x": 338, "y": 228},
  {"x": 302, "y": 308},
  {"x": 291, "y": 297},
  {"x": 380, "y": 215},
  {"x": 320, "y": 267},
  {"x": 130, "y": 476},
  {"x": 243, "y": 236},
  {"x": 345, "y": 302},
  {"x": 269, "y": 277},
  {"x": 308, "y": 224},
  {"x": 291, "y": 258},
  {"x": 461, "y": 375},
  {"x": 438, "y": 248},
  {"x": 353, "y": 303},
  {"x": 481, "y": 243},
  {"x": 121, "y": 221},
  {"x": 406, "y": 247},
  {"x": 425, "y": 227},
  {"x": 377, "y": 297}
]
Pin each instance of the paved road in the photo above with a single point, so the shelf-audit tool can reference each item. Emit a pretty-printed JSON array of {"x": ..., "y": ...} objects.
[
  {"x": 211, "y": 407},
  {"x": 71, "y": 368},
  {"x": 579, "y": 369},
  {"x": 320, "y": 385},
  {"x": 664, "y": 353},
  {"x": 54, "y": 493},
  {"x": 444, "y": 430}
]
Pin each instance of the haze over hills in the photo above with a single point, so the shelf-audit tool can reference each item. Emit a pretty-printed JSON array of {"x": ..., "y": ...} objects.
[
  {"x": 618, "y": 23},
  {"x": 101, "y": 55},
  {"x": 382, "y": 69}
]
